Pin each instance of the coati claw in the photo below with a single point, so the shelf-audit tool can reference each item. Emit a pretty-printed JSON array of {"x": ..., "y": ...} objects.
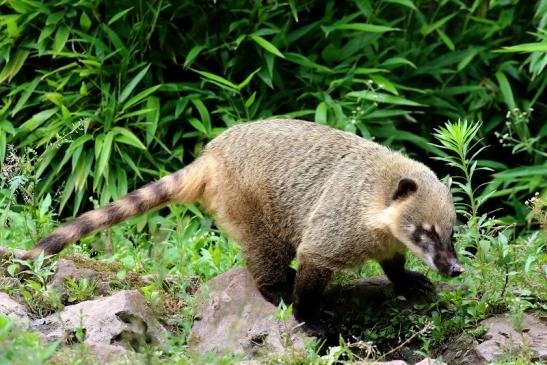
[
  {"x": 314, "y": 329},
  {"x": 311, "y": 325},
  {"x": 414, "y": 284}
]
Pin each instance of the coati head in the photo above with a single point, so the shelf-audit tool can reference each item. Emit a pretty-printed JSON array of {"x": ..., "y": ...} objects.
[{"x": 422, "y": 217}]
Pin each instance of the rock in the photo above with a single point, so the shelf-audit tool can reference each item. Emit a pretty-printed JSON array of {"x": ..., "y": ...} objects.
[
  {"x": 15, "y": 252},
  {"x": 8, "y": 306},
  {"x": 462, "y": 350},
  {"x": 95, "y": 353},
  {"x": 428, "y": 361},
  {"x": 17, "y": 312},
  {"x": 502, "y": 338},
  {"x": 122, "y": 319},
  {"x": 236, "y": 319},
  {"x": 68, "y": 269},
  {"x": 8, "y": 282},
  {"x": 107, "y": 354}
]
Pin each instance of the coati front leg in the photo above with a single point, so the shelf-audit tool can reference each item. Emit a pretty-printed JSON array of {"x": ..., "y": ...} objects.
[
  {"x": 310, "y": 283},
  {"x": 405, "y": 281}
]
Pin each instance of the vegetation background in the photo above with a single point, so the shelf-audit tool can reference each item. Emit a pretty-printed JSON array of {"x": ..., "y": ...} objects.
[{"x": 99, "y": 97}]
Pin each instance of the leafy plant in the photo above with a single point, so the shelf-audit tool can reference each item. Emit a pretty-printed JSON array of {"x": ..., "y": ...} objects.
[
  {"x": 80, "y": 290},
  {"x": 39, "y": 297},
  {"x": 458, "y": 138},
  {"x": 18, "y": 346}
]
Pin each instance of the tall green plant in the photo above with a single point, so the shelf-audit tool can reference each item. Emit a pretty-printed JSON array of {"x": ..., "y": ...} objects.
[{"x": 460, "y": 140}]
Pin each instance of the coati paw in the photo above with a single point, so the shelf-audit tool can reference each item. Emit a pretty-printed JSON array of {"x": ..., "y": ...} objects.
[
  {"x": 275, "y": 293},
  {"x": 413, "y": 283},
  {"x": 310, "y": 325}
]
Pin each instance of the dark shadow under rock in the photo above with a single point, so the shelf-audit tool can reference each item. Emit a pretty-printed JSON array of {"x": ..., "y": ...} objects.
[{"x": 370, "y": 303}]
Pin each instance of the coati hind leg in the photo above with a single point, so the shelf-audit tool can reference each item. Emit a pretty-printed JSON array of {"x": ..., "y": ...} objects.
[
  {"x": 268, "y": 260},
  {"x": 406, "y": 281}
]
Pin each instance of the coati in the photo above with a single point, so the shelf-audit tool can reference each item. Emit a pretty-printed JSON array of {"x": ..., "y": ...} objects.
[{"x": 286, "y": 188}]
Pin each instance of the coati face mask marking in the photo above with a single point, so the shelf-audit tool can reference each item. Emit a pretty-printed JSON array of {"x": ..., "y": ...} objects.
[
  {"x": 437, "y": 252},
  {"x": 431, "y": 240}
]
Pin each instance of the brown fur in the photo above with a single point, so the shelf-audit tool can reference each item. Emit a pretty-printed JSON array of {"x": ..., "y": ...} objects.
[{"x": 286, "y": 188}]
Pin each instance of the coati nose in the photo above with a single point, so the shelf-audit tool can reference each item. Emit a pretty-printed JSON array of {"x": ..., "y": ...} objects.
[{"x": 456, "y": 270}]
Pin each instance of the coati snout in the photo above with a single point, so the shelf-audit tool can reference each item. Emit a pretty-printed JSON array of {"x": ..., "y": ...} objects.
[{"x": 289, "y": 188}]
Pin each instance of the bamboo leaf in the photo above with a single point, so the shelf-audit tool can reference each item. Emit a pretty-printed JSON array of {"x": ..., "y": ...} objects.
[
  {"x": 407, "y": 3},
  {"x": 105, "y": 151},
  {"x": 217, "y": 78},
  {"x": 119, "y": 15},
  {"x": 152, "y": 117},
  {"x": 132, "y": 84},
  {"x": 192, "y": 55},
  {"x": 362, "y": 27},
  {"x": 382, "y": 98},
  {"x": 321, "y": 113},
  {"x": 124, "y": 135},
  {"x": 525, "y": 48},
  {"x": 85, "y": 22},
  {"x": 446, "y": 40},
  {"x": 384, "y": 83},
  {"x": 505, "y": 89},
  {"x": 140, "y": 97},
  {"x": 247, "y": 79},
  {"x": 30, "y": 87},
  {"x": 14, "y": 65},
  {"x": 61, "y": 36},
  {"x": 204, "y": 115},
  {"x": 267, "y": 45},
  {"x": 37, "y": 119}
]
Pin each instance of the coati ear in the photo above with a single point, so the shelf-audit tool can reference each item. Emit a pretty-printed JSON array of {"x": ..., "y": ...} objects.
[
  {"x": 449, "y": 183},
  {"x": 405, "y": 188}
]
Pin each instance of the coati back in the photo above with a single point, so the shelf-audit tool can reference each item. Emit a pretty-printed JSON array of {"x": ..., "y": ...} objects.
[{"x": 286, "y": 188}]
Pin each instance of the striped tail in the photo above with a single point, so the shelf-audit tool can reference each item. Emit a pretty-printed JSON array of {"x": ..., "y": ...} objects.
[{"x": 184, "y": 186}]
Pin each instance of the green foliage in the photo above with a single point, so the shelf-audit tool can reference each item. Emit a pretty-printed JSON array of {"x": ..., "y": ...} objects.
[
  {"x": 34, "y": 276},
  {"x": 19, "y": 347},
  {"x": 80, "y": 290},
  {"x": 457, "y": 138},
  {"x": 112, "y": 94}
]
